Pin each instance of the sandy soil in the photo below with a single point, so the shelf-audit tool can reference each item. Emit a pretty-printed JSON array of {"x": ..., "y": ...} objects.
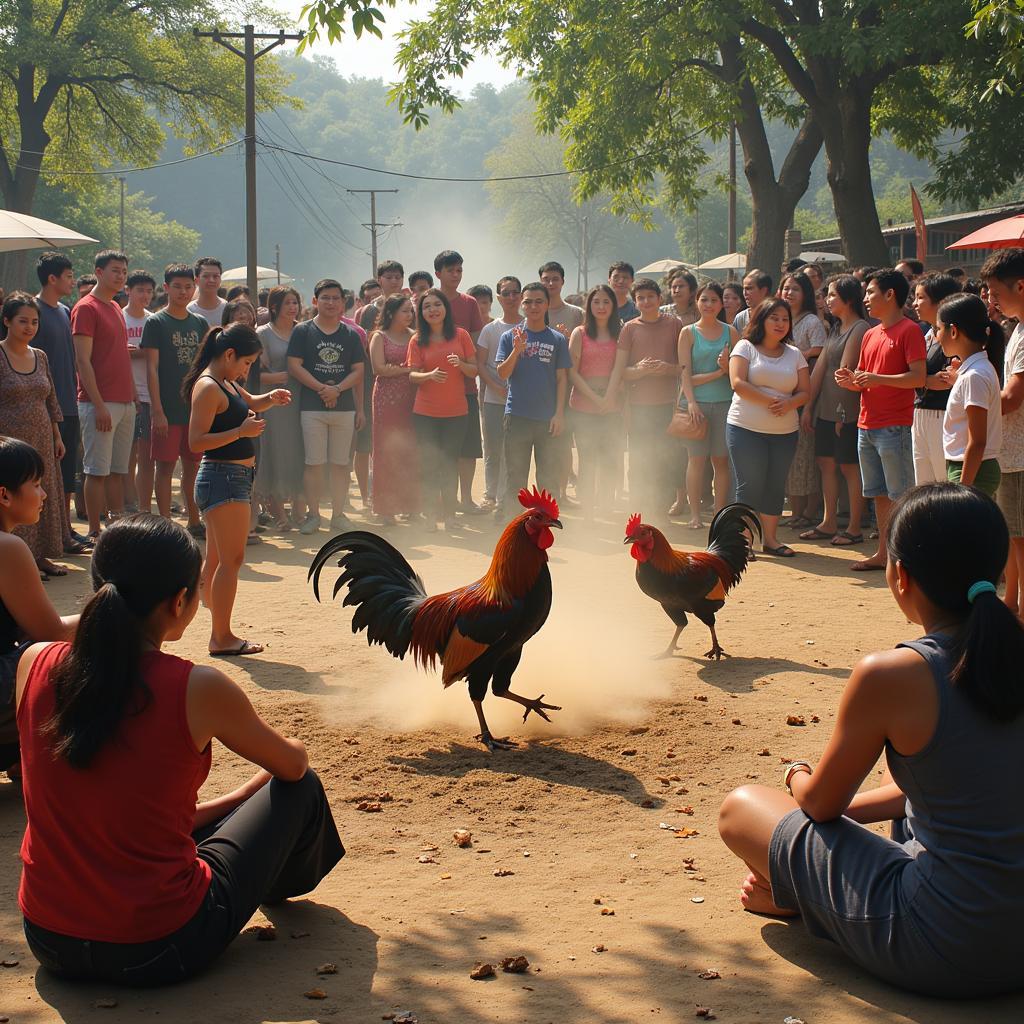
[{"x": 572, "y": 818}]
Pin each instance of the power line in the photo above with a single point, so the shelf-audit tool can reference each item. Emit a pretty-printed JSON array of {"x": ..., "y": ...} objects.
[
  {"x": 482, "y": 181},
  {"x": 314, "y": 225},
  {"x": 122, "y": 170}
]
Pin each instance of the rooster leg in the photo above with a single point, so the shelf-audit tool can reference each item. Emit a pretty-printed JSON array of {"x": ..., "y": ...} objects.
[
  {"x": 536, "y": 705},
  {"x": 485, "y": 737},
  {"x": 671, "y": 649},
  {"x": 716, "y": 651}
]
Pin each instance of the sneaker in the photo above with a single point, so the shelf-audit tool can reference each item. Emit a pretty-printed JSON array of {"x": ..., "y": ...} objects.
[
  {"x": 341, "y": 522},
  {"x": 310, "y": 525}
]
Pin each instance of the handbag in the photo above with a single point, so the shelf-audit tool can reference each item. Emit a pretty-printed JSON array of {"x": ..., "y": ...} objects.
[{"x": 685, "y": 427}]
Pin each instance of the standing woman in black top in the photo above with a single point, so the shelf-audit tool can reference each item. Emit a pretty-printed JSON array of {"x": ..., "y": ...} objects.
[{"x": 222, "y": 425}]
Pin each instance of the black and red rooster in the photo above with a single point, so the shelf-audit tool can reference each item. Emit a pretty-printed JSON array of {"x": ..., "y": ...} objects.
[
  {"x": 477, "y": 632},
  {"x": 693, "y": 581}
]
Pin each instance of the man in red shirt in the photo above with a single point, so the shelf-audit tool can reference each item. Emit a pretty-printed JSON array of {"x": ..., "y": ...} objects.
[
  {"x": 466, "y": 314},
  {"x": 892, "y": 364},
  {"x": 106, "y": 389}
]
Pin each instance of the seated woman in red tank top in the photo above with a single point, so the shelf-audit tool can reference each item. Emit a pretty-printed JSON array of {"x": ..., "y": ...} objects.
[{"x": 127, "y": 878}]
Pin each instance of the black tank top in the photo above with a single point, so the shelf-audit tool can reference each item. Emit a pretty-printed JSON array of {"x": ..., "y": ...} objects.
[{"x": 233, "y": 416}]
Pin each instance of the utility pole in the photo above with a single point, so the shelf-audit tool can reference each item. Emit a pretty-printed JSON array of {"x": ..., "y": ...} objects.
[
  {"x": 121, "y": 182},
  {"x": 374, "y": 223},
  {"x": 250, "y": 55},
  {"x": 732, "y": 191},
  {"x": 584, "y": 254}
]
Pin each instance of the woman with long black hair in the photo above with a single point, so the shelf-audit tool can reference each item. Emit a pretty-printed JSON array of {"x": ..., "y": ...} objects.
[
  {"x": 935, "y": 908},
  {"x": 222, "y": 426},
  {"x": 127, "y": 878}
]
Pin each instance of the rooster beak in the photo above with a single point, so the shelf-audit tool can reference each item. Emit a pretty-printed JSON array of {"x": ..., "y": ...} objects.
[
  {"x": 627, "y": 540},
  {"x": 557, "y": 523}
]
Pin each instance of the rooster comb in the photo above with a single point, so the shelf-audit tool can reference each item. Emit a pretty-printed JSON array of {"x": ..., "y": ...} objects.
[
  {"x": 632, "y": 524},
  {"x": 539, "y": 499}
]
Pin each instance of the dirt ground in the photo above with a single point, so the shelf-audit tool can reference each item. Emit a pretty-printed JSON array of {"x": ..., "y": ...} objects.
[{"x": 569, "y": 866}]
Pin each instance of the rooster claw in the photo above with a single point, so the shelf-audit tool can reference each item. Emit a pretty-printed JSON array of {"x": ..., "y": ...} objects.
[
  {"x": 716, "y": 653},
  {"x": 492, "y": 743},
  {"x": 540, "y": 708}
]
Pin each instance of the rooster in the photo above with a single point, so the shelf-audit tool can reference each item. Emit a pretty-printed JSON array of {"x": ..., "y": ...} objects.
[
  {"x": 694, "y": 582},
  {"x": 477, "y": 632}
]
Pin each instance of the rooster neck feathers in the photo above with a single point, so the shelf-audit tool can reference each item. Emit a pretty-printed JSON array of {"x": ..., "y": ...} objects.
[{"x": 666, "y": 559}]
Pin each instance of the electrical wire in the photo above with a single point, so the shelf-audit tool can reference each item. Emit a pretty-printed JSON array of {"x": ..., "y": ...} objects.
[{"x": 123, "y": 170}]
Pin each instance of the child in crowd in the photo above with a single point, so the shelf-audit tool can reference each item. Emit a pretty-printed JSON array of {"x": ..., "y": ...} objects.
[
  {"x": 946, "y": 711},
  {"x": 972, "y": 429}
]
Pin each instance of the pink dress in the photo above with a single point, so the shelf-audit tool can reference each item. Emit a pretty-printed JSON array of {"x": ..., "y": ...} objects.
[{"x": 396, "y": 486}]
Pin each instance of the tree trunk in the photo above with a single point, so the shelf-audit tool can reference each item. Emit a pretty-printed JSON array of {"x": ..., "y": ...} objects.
[{"x": 847, "y": 131}]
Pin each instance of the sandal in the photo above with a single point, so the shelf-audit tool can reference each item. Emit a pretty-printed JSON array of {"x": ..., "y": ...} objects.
[
  {"x": 782, "y": 551},
  {"x": 283, "y": 526},
  {"x": 253, "y": 538},
  {"x": 798, "y": 522},
  {"x": 77, "y": 547},
  {"x": 695, "y": 524},
  {"x": 240, "y": 651},
  {"x": 817, "y": 534},
  {"x": 48, "y": 568},
  {"x": 678, "y": 508},
  {"x": 867, "y": 566},
  {"x": 845, "y": 539}
]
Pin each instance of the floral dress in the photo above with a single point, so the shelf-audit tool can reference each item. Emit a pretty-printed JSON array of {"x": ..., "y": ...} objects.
[
  {"x": 28, "y": 411},
  {"x": 396, "y": 486},
  {"x": 804, "y": 479}
]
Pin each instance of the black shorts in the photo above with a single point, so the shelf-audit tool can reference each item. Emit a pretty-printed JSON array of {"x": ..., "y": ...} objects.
[
  {"x": 364, "y": 437},
  {"x": 472, "y": 446},
  {"x": 842, "y": 447},
  {"x": 70, "y": 434}
]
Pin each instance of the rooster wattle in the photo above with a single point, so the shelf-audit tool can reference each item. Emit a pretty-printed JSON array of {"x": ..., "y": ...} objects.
[
  {"x": 477, "y": 632},
  {"x": 693, "y": 581}
]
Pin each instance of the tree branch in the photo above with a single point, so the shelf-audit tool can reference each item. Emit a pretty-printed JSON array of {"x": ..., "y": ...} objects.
[{"x": 779, "y": 47}]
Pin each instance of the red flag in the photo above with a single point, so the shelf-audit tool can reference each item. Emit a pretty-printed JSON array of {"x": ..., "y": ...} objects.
[{"x": 919, "y": 227}]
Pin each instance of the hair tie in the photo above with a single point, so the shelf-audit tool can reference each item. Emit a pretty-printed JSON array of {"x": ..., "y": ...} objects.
[{"x": 981, "y": 587}]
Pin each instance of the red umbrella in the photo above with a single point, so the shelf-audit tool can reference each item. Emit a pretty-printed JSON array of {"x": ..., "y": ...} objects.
[{"x": 1000, "y": 234}]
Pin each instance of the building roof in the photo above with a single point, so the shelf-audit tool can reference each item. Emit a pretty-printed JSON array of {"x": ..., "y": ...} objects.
[{"x": 1006, "y": 210}]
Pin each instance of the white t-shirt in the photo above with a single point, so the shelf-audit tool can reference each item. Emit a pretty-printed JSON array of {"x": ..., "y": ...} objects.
[
  {"x": 777, "y": 376},
  {"x": 488, "y": 340},
  {"x": 977, "y": 384},
  {"x": 214, "y": 317},
  {"x": 1011, "y": 458},
  {"x": 741, "y": 320},
  {"x": 139, "y": 366}
]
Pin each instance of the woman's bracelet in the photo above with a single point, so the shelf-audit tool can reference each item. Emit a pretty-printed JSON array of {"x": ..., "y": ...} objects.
[{"x": 794, "y": 766}]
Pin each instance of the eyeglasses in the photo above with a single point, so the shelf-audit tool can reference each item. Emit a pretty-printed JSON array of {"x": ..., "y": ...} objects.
[{"x": 509, "y": 295}]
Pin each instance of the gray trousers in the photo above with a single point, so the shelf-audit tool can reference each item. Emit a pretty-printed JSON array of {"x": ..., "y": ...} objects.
[{"x": 492, "y": 420}]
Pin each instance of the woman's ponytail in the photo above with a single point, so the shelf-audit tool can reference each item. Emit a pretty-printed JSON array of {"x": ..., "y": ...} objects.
[
  {"x": 139, "y": 562},
  {"x": 987, "y": 649},
  {"x": 240, "y": 337},
  {"x": 969, "y": 315}
]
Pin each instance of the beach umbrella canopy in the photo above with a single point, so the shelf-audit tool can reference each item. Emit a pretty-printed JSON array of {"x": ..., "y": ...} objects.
[
  {"x": 663, "y": 266},
  {"x": 1000, "y": 234},
  {"x": 19, "y": 231},
  {"x": 823, "y": 257},
  {"x": 241, "y": 274},
  {"x": 730, "y": 261}
]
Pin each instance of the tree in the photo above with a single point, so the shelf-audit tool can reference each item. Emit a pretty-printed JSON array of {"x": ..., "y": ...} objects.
[{"x": 87, "y": 83}]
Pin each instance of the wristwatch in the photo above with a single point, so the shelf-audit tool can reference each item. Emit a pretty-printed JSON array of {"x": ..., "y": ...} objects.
[{"x": 794, "y": 766}]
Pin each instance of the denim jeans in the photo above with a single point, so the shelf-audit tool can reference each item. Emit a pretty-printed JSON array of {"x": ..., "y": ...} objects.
[
  {"x": 523, "y": 438},
  {"x": 760, "y": 464},
  {"x": 886, "y": 461}
]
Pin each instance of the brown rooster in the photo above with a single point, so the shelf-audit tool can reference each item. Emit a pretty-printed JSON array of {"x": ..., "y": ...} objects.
[
  {"x": 476, "y": 632},
  {"x": 697, "y": 581}
]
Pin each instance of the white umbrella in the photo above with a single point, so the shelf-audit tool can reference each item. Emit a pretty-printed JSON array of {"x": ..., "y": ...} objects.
[
  {"x": 730, "y": 261},
  {"x": 663, "y": 266},
  {"x": 19, "y": 231},
  {"x": 241, "y": 274},
  {"x": 822, "y": 257}
]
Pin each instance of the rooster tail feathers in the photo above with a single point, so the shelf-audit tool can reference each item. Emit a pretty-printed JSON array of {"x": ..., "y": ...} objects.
[
  {"x": 383, "y": 587},
  {"x": 728, "y": 536}
]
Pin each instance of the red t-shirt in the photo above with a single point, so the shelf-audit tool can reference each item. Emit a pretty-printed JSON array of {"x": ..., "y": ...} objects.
[
  {"x": 108, "y": 854},
  {"x": 466, "y": 314},
  {"x": 889, "y": 351},
  {"x": 434, "y": 398},
  {"x": 104, "y": 323}
]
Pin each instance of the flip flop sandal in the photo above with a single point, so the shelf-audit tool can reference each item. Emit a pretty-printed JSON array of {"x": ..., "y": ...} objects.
[
  {"x": 817, "y": 534},
  {"x": 866, "y": 567},
  {"x": 798, "y": 522},
  {"x": 240, "y": 651},
  {"x": 849, "y": 538},
  {"x": 77, "y": 548},
  {"x": 782, "y": 551}
]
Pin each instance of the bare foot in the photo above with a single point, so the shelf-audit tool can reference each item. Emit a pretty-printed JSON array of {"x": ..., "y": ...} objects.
[
  {"x": 756, "y": 898},
  {"x": 868, "y": 565}
]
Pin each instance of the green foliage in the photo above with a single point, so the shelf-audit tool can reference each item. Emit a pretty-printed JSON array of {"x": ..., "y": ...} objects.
[
  {"x": 89, "y": 83},
  {"x": 1000, "y": 23}
]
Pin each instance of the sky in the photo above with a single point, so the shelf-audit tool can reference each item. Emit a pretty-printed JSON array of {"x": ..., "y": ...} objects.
[{"x": 370, "y": 57}]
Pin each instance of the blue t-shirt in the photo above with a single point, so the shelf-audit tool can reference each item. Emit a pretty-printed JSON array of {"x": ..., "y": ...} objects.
[
  {"x": 54, "y": 338},
  {"x": 533, "y": 386}
]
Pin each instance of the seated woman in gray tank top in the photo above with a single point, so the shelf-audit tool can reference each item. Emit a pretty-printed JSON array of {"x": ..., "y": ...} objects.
[{"x": 937, "y": 907}]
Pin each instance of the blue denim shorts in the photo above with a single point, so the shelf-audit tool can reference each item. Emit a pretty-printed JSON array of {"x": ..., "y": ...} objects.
[
  {"x": 886, "y": 457},
  {"x": 220, "y": 482}
]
